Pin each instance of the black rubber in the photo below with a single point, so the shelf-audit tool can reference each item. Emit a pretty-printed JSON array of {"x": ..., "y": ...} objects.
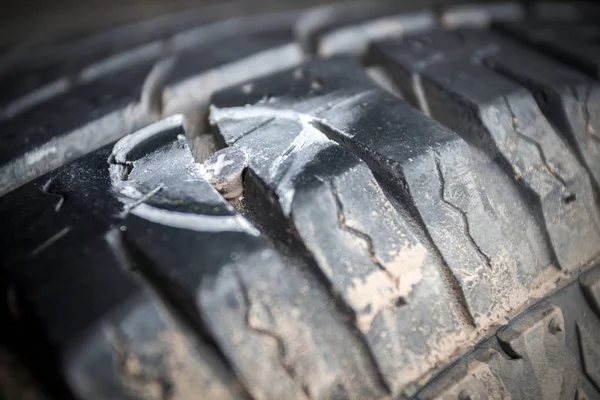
[{"x": 438, "y": 245}]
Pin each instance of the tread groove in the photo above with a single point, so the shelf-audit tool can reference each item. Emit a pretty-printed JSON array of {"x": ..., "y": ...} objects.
[
  {"x": 419, "y": 93},
  {"x": 151, "y": 98}
]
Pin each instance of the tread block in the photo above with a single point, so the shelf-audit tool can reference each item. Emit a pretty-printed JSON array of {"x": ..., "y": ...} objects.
[
  {"x": 150, "y": 357},
  {"x": 84, "y": 114},
  {"x": 371, "y": 254},
  {"x": 567, "y": 98},
  {"x": 463, "y": 214},
  {"x": 153, "y": 170},
  {"x": 539, "y": 339},
  {"x": 312, "y": 354},
  {"x": 476, "y": 237},
  {"x": 120, "y": 343},
  {"x": 548, "y": 351},
  {"x": 271, "y": 323},
  {"x": 471, "y": 229},
  {"x": 78, "y": 316},
  {"x": 574, "y": 43},
  {"x": 225, "y": 314},
  {"x": 498, "y": 116},
  {"x": 135, "y": 338}
]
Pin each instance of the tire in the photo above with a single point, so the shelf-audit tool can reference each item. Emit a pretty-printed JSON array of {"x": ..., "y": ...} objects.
[{"x": 358, "y": 201}]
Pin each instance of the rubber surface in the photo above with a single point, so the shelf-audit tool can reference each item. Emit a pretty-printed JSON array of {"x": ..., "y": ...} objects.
[{"x": 437, "y": 245}]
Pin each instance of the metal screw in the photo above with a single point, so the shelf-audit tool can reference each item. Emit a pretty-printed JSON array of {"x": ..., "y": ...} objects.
[{"x": 224, "y": 171}]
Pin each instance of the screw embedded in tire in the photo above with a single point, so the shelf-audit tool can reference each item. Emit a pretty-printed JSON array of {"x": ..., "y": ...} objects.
[{"x": 224, "y": 171}]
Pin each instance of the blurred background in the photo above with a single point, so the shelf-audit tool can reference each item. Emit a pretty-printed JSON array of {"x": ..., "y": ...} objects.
[
  {"x": 35, "y": 22},
  {"x": 41, "y": 21}
]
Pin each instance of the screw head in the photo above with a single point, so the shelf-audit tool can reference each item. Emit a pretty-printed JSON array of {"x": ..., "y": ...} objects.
[{"x": 224, "y": 171}]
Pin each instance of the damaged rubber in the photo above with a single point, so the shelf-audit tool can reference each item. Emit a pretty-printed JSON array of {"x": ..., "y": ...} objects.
[{"x": 308, "y": 231}]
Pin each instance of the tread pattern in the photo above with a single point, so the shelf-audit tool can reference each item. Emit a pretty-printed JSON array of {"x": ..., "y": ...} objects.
[
  {"x": 34, "y": 77},
  {"x": 375, "y": 275},
  {"x": 313, "y": 26},
  {"x": 323, "y": 122},
  {"x": 98, "y": 111},
  {"x": 477, "y": 243},
  {"x": 113, "y": 343},
  {"x": 566, "y": 98},
  {"x": 500, "y": 117},
  {"x": 259, "y": 323},
  {"x": 374, "y": 244},
  {"x": 547, "y": 352}
]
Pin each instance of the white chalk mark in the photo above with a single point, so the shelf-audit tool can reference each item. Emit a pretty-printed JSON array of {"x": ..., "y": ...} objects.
[
  {"x": 195, "y": 222},
  {"x": 129, "y": 207},
  {"x": 51, "y": 240}
]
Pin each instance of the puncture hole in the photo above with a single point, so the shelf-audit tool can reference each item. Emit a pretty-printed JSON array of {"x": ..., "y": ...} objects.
[{"x": 569, "y": 198}]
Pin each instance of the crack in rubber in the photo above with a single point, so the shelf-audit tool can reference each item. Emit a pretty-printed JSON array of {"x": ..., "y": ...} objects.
[
  {"x": 551, "y": 170},
  {"x": 366, "y": 238},
  {"x": 463, "y": 215},
  {"x": 281, "y": 353}
]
